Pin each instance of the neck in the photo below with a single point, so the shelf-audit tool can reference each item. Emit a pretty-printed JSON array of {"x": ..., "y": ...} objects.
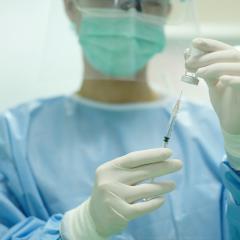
[
  {"x": 117, "y": 91},
  {"x": 98, "y": 87}
]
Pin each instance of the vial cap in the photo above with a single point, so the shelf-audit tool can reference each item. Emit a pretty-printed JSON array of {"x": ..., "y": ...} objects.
[{"x": 190, "y": 79}]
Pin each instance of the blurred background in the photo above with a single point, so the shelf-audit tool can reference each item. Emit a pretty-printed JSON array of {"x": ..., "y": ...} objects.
[{"x": 39, "y": 54}]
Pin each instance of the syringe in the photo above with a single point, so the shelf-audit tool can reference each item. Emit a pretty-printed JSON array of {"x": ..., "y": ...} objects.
[
  {"x": 172, "y": 121},
  {"x": 171, "y": 124}
]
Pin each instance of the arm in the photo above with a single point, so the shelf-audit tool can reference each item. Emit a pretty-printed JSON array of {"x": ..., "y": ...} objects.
[
  {"x": 219, "y": 66},
  {"x": 231, "y": 180},
  {"x": 230, "y": 171},
  {"x": 14, "y": 224}
]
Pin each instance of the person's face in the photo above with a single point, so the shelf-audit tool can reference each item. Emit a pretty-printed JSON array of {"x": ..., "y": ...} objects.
[{"x": 75, "y": 15}]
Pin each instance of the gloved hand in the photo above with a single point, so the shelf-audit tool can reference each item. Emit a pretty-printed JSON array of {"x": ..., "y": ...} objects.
[
  {"x": 220, "y": 68},
  {"x": 117, "y": 194}
]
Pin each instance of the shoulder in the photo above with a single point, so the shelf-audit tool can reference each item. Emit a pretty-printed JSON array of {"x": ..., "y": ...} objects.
[
  {"x": 17, "y": 119},
  {"x": 27, "y": 109},
  {"x": 33, "y": 106},
  {"x": 17, "y": 122}
]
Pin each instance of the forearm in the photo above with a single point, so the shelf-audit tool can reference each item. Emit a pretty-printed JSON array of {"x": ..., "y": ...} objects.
[
  {"x": 232, "y": 147},
  {"x": 33, "y": 228},
  {"x": 77, "y": 224},
  {"x": 231, "y": 178}
]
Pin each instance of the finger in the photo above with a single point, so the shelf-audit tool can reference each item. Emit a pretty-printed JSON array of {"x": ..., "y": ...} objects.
[
  {"x": 212, "y": 73},
  {"x": 151, "y": 190},
  {"x": 139, "y": 158},
  {"x": 226, "y": 56},
  {"x": 138, "y": 209},
  {"x": 151, "y": 171},
  {"x": 230, "y": 81},
  {"x": 119, "y": 208},
  {"x": 187, "y": 53},
  {"x": 209, "y": 45}
]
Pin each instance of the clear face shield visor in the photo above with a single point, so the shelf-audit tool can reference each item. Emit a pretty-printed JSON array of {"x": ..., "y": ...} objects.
[{"x": 121, "y": 40}]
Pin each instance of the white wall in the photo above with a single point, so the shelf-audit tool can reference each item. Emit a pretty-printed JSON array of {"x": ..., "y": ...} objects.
[
  {"x": 33, "y": 62},
  {"x": 215, "y": 11},
  {"x": 40, "y": 57}
]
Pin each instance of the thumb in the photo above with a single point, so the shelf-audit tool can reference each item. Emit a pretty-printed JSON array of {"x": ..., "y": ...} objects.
[{"x": 209, "y": 45}]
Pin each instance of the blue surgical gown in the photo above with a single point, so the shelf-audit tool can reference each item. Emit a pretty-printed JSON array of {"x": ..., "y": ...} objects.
[{"x": 50, "y": 149}]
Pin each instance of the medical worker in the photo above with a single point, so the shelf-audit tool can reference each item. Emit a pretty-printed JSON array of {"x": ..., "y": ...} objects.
[{"x": 79, "y": 167}]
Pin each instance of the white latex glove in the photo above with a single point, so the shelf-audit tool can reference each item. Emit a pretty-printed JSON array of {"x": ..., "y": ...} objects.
[
  {"x": 220, "y": 68},
  {"x": 117, "y": 194}
]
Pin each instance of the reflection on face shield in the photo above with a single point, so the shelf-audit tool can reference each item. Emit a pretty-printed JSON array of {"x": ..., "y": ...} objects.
[
  {"x": 149, "y": 7},
  {"x": 119, "y": 43},
  {"x": 126, "y": 5}
]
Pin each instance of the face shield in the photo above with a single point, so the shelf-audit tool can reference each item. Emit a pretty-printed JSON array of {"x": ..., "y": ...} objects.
[{"x": 126, "y": 40}]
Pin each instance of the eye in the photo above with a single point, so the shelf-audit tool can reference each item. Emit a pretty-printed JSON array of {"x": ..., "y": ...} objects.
[{"x": 127, "y": 5}]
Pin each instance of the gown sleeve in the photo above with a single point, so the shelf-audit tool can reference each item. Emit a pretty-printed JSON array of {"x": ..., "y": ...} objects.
[
  {"x": 231, "y": 180},
  {"x": 15, "y": 223}
]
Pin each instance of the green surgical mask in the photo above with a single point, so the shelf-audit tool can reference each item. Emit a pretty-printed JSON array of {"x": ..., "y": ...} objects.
[{"x": 121, "y": 46}]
